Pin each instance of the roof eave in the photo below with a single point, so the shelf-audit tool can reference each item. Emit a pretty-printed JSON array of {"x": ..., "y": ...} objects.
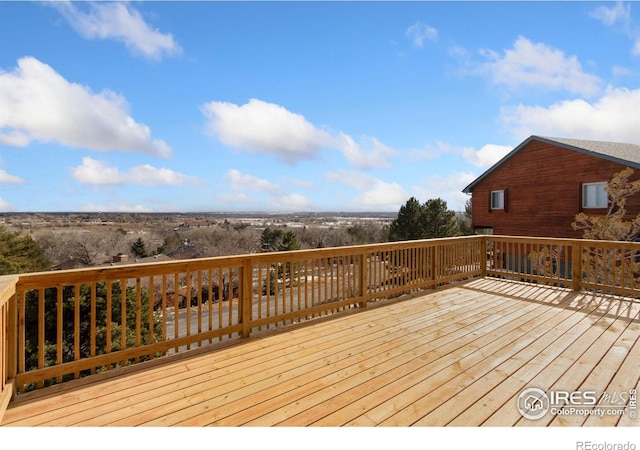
[{"x": 469, "y": 188}]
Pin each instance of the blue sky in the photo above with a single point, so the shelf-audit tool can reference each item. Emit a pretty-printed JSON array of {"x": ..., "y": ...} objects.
[{"x": 297, "y": 106}]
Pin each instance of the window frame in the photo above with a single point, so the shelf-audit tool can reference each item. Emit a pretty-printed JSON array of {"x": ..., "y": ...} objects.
[
  {"x": 598, "y": 198},
  {"x": 493, "y": 205}
]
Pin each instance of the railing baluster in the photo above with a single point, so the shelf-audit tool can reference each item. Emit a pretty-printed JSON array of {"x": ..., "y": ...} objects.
[
  {"x": 59, "y": 324},
  {"x": 123, "y": 316},
  {"x": 199, "y": 300},
  {"x": 108, "y": 318},
  {"x": 93, "y": 324},
  {"x": 138, "y": 315},
  {"x": 41, "y": 340}
]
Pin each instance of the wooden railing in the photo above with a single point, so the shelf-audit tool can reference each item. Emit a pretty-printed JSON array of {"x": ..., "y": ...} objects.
[
  {"x": 69, "y": 324},
  {"x": 611, "y": 267},
  {"x": 56, "y": 326}
]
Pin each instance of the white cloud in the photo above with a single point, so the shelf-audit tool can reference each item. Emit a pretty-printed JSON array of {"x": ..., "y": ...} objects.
[
  {"x": 92, "y": 207},
  {"x": 5, "y": 206},
  {"x": 620, "y": 71},
  {"x": 121, "y": 22},
  {"x": 484, "y": 157},
  {"x": 8, "y": 178},
  {"x": 276, "y": 197},
  {"x": 612, "y": 117},
  {"x": 487, "y": 156},
  {"x": 373, "y": 193},
  {"x": 375, "y": 155},
  {"x": 530, "y": 64},
  {"x": 431, "y": 152},
  {"x": 240, "y": 181},
  {"x": 36, "y": 103},
  {"x": 620, "y": 13},
  {"x": 13, "y": 138},
  {"x": 449, "y": 188},
  {"x": 292, "y": 202},
  {"x": 95, "y": 172},
  {"x": 239, "y": 198},
  {"x": 267, "y": 128},
  {"x": 619, "y": 17},
  {"x": 419, "y": 33}
]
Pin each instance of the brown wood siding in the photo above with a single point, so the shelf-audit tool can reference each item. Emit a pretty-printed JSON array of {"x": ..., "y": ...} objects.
[{"x": 544, "y": 184}]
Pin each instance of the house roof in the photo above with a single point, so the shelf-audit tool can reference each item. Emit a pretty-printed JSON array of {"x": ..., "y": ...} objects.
[{"x": 627, "y": 154}]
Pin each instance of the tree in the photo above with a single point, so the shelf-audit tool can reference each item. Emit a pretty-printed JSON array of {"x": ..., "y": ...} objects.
[
  {"x": 87, "y": 246},
  {"x": 135, "y": 329},
  {"x": 20, "y": 254},
  {"x": 466, "y": 221},
  {"x": 620, "y": 266},
  {"x": 423, "y": 221},
  {"x": 439, "y": 221},
  {"x": 408, "y": 225},
  {"x": 612, "y": 226},
  {"x": 277, "y": 240},
  {"x": 138, "y": 249}
]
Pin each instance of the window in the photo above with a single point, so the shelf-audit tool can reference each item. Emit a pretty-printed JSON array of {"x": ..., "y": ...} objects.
[
  {"x": 594, "y": 195},
  {"x": 497, "y": 199}
]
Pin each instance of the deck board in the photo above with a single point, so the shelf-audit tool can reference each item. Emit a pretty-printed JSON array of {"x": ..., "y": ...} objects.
[{"x": 457, "y": 356}]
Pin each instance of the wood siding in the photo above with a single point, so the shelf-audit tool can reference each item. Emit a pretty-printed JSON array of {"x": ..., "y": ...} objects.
[{"x": 543, "y": 191}]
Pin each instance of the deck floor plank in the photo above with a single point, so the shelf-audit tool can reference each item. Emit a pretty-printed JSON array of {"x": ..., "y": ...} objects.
[
  {"x": 546, "y": 367},
  {"x": 526, "y": 363},
  {"x": 456, "y": 356},
  {"x": 257, "y": 376},
  {"x": 462, "y": 401},
  {"x": 309, "y": 381}
]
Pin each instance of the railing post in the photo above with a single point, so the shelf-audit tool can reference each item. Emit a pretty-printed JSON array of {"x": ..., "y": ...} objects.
[
  {"x": 483, "y": 256},
  {"x": 12, "y": 349},
  {"x": 434, "y": 264},
  {"x": 8, "y": 338},
  {"x": 576, "y": 266},
  {"x": 362, "y": 276},
  {"x": 246, "y": 303}
]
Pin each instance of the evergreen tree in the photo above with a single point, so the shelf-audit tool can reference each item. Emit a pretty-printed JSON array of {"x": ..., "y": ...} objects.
[
  {"x": 277, "y": 240},
  {"x": 466, "y": 221},
  {"x": 138, "y": 249},
  {"x": 408, "y": 225},
  {"x": 20, "y": 254},
  {"x": 424, "y": 221},
  {"x": 438, "y": 220},
  {"x": 103, "y": 317}
]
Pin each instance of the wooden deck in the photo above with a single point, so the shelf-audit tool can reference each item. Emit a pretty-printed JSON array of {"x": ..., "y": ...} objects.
[{"x": 456, "y": 356}]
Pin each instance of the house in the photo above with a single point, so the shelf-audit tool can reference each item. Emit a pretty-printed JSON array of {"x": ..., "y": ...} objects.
[{"x": 538, "y": 188}]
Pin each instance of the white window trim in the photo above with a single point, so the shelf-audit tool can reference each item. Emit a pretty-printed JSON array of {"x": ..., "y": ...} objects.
[
  {"x": 598, "y": 200},
  {"x": 501, "y": 192}
]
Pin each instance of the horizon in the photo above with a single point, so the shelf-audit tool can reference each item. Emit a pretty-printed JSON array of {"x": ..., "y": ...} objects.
[{"x": 296, "y": 107}]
